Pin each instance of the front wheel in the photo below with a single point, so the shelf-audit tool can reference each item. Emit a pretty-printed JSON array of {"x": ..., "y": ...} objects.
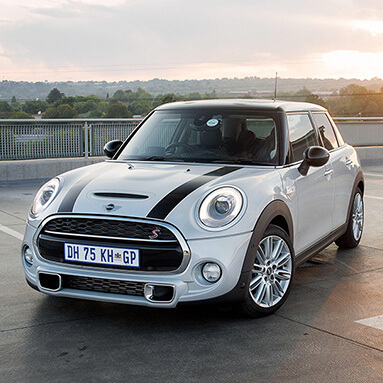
[
  {"x": 353, "y": 234},
  {"x": 272, "y": 273}
]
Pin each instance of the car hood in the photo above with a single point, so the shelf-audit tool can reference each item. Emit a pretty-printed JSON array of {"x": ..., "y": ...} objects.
[{"x": 149, "y": 190}]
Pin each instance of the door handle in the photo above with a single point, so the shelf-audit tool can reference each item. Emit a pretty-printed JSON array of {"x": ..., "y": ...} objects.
[
  {"x": 328, "y": 172},
  {"x": 348, "y": 162}
]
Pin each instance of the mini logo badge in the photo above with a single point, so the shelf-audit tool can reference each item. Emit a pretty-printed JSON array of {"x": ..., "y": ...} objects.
[
  {"x": 117, "y": 256},
  {"x": 111, "y": 207},
  {"x": 156, "y": 232}
]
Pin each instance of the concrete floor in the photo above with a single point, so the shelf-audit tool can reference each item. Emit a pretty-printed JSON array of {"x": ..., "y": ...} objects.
[{"x": 314, "y": 337}]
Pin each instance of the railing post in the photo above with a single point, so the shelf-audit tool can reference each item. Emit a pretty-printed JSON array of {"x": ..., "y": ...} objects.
[
  {"x": 90, "y": 140},
  {"x": 86, "y": 134}
]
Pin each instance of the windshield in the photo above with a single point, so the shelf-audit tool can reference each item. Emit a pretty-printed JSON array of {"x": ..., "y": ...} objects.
[{"x": 205, "y": 136}]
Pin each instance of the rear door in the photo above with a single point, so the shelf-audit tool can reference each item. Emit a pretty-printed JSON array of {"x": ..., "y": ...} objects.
[{"x": 341, "y": 162}]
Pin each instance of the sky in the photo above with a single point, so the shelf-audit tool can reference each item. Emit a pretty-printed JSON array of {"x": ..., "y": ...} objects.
[{"x": 113, "y": 40}]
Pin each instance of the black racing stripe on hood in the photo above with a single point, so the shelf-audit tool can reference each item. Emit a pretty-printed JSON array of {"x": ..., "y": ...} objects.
[
  {"x": 170, "y": 201},
  {"x": 70, "y": 198}
]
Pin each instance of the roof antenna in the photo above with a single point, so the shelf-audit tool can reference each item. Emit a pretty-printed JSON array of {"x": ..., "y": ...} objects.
[{"x": 275, "y": 88}]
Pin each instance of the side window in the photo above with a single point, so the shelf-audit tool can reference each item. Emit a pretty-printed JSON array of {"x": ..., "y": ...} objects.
[
  {"x": 302, "y": 134},
  {"x": 336, "y": 130},
  {"x": 326, "y": 131}
]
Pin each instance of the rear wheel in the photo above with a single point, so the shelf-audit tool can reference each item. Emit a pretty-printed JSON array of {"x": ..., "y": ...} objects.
[
  {"x": 353, "y": 234},
  {"x": 272, "y": 273}
]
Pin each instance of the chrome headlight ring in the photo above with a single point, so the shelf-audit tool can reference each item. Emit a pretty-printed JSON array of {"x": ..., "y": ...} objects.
[
  {"x": 45, "y": 196},
  {"x": 221, "y": 208}
]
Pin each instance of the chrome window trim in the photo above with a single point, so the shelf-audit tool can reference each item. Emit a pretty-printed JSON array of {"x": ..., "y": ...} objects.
[{"x": 184, "y": 246}]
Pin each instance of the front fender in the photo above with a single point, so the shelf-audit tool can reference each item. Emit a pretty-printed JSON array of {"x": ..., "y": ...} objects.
[{"x": 276, "y": 209}]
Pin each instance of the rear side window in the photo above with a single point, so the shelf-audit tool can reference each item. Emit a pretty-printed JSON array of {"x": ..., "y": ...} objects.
[
  {"x": 326, "y": 131},
  {"x": 302, "y": 134}
]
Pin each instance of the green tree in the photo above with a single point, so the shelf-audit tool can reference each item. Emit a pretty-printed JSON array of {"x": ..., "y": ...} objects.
[
  {"x": 62, "y": 111},
  {"x": 66, "y": 111},
  {"x": 54, "y": 95},
  {"x": 140, "y": 95},
  {"x": 20, "y": 115},
  {"x": 315, "y": 99},
  {"x": 170, "y": 97},
  {"x": 65, "y": 100},
  {"x": 34, "y": 107},
  {"x": 51, "y": 113},
  {"x": 194, "y": 96},
  {"x": 120, "y": 95},
  {"x": 157, "y": 101},
  {"x": 117, "y": 110},
  {"x": 5, "y": 109},
  {"x": 97, "y": 113},
  {"x": 85, "y": 106},
  {"x": 372, "y": 109},
  {"x": 13, "y": 99},
  {"x": 139, "y": 107}
]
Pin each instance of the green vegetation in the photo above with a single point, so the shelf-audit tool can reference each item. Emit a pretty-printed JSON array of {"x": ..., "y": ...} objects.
[{"x": 351, "y": 100}]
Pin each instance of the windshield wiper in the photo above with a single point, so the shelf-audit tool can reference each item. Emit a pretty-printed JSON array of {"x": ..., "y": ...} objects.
[
  {"x": 241, "y": 161},
  {"x": 160, "y": 158}
]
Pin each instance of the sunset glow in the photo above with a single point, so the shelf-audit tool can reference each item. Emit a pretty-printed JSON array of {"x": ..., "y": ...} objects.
[{"x": 60, "y": 40}]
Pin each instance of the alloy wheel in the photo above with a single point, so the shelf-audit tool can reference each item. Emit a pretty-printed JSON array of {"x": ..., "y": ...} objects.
[
  {"x": 357, "y": 216},
  {"x": 271, "y": 274}
]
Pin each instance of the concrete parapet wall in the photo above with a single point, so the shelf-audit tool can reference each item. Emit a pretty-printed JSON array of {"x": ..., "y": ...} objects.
[
  {"x": 370, "y": 154},
  {"x": 48, "y": 168},
  {"x": 41, "y": 169},
  {"x": 361, "y": 133}
]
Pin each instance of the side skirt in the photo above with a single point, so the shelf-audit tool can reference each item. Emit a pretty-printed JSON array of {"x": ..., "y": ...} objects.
[{"x": 319, "y": 246}]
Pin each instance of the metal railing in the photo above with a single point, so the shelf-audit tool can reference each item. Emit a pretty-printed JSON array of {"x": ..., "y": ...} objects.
[
  {"x": 56, "y": 138},
  {"x": 53, "y": 138}
]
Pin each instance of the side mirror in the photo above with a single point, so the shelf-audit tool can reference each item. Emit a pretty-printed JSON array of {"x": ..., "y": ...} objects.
[
  {"x": 313, "y": 156},
  {"x": 111, "y": 147}
]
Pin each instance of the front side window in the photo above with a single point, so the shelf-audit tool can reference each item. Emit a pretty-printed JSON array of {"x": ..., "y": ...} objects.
[
  {"x": 205, "y": 136},
  {"x": 326, "y": 131},
  {"x": 302, "y": 134}
]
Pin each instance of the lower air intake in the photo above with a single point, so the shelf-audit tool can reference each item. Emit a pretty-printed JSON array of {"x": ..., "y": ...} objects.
[{"x": 102, "y": 285}]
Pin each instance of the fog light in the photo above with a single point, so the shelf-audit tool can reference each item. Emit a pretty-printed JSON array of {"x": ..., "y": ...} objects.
[
  {"x": 28, "y": 255},
  {"x": 211, "y": 272}
]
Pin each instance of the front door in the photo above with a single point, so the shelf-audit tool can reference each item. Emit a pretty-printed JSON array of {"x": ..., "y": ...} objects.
[{"x": 314, "y": 192}]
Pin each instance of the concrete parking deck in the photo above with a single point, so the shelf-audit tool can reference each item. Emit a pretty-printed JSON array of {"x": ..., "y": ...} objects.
[{"x": 329, "y": 330}]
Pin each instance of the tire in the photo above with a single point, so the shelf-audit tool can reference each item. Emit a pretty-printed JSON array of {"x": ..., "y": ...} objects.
[
  {"x": 273, "y": 271},
  {"x": 353, "y": 234}
]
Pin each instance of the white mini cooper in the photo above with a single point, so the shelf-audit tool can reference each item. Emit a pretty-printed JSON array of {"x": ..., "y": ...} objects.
[{"x": 208, "y": 201}]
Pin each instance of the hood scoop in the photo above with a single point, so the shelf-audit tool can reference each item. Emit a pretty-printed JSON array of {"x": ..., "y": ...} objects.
[{"x": 120, "y": 195}]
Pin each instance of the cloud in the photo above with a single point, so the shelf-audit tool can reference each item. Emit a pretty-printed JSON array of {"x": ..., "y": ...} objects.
[{"x": 149, "y": 38}]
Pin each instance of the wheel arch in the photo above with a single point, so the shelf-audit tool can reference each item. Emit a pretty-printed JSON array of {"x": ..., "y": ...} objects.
[
  {"x": 276, "y": 213},
  {"x": 358, "y": 183}
]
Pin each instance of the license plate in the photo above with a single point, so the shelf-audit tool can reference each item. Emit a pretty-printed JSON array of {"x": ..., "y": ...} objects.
[{"x": 100, "y": 255}]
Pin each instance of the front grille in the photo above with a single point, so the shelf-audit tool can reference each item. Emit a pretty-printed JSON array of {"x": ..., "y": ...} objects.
[
  {"x": 103, "y": 285},
  {"x": 108, "y": 227},
  {"x": 162, "y": 254}
]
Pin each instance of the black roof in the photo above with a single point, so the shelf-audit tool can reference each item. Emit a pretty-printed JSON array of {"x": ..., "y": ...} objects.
[{"x": 245, "y": 104}]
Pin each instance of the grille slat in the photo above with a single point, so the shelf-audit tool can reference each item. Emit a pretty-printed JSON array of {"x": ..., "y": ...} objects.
[
  {"x": 103, "y": 285},
  {"x": 108, "y": 227}
]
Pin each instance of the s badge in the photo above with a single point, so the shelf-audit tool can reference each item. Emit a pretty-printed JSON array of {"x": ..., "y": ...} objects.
[{"x": 156, "y": 232}]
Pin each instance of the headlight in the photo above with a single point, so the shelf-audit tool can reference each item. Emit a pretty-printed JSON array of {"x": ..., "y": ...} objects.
[
  {"x": 45, "y": 196},
  {"x": 220, "y": 207}
]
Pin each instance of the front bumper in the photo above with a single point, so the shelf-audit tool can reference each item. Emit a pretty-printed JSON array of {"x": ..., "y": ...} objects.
[{"x": 188, "y": 286}]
